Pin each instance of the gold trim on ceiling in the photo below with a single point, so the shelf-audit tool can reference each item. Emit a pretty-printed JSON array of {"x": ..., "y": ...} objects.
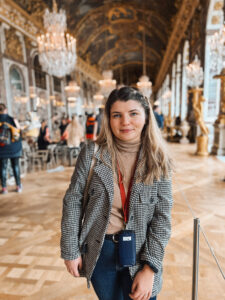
[{"x": 181, "y": 23}]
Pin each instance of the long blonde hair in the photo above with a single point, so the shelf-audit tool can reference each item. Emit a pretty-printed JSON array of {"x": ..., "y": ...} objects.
[{"x": 154, "y": 160}]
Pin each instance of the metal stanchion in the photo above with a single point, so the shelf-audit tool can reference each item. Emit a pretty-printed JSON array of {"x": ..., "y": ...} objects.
[{"x": 195, "y": 259}]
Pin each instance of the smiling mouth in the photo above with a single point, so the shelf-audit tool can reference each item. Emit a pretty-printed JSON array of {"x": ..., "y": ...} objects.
[{"x": 126, "y": 130}]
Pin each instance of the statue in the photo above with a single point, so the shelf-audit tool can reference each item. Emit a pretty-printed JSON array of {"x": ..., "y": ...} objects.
[
  {"x": 198, "y": 112},
  {"x": 202, "y": 139}
]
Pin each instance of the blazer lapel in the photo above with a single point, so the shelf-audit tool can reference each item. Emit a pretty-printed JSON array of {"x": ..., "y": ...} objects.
[
  {"x": 104, "y": 172},
  {"x": 137, "y": 188}
]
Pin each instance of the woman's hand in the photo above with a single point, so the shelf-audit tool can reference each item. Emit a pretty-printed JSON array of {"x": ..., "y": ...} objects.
[
  {"x": 142, "y": 284},
  {"x": 73, "y": 266}
]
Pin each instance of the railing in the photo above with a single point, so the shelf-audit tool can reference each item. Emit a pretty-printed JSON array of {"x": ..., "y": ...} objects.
[{"x": 197, "y": 229}]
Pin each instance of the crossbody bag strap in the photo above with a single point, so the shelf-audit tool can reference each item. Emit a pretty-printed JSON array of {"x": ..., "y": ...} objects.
[{"x": 93, "y": 161}]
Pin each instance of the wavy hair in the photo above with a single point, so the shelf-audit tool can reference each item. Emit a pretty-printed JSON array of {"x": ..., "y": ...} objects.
[{"x": 154, "y": 160}]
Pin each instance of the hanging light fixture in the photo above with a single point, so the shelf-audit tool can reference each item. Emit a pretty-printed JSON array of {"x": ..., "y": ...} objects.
[
  {"x": 195, "y": 73},
  {"x": 217, "y": 47},
  {"x": 98, "y": 100},
  {"x": 57, "y": 50},
  {"x": 107, "y": 84},
  {"x": 144, "y": 85},
  {"x": 72, "y": 88}
]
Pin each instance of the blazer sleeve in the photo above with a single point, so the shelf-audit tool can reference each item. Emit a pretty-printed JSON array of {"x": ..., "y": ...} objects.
[
  {"x": 159, "y": 229},
  {"x": 72, "y": 206}
]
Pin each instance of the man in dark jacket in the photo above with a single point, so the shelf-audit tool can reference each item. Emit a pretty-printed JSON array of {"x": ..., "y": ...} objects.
[{"x": 12, "y": 149}]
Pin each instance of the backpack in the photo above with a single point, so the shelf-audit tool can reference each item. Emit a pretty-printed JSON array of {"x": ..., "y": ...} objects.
[
  {"x": 8, "y": 134},
  {"x": 5, "y": 134}
]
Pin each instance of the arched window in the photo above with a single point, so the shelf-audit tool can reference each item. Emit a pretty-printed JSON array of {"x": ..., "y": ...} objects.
[
  {"x": 173, "y": 90},
  {"x": 16, "y": 80},
  {"x": 184, "y": 95},
  {"x": 40, "y": 76},
  {"x": 178, "y": 82},
  {"x": 211, "y": 85}
]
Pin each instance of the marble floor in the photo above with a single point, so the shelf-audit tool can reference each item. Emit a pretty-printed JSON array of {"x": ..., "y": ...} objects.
[{"x": 30, "y": 264}]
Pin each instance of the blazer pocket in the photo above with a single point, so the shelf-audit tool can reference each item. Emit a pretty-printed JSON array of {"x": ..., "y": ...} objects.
[{"x": 147, "y": 196}]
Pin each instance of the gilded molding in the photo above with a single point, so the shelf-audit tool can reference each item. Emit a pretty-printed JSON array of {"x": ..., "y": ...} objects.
[
  {"x": 13, "y": 45},
  {"x": 15, "y": 16},
  {"x": 181, "y": 23},
  {"x": 11, "y": 13}
]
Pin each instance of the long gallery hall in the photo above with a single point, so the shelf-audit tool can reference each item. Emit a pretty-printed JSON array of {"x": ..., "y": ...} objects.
[{"x": 130, "y": 95}]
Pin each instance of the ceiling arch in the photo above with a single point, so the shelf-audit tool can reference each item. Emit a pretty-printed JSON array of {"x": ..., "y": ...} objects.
[{"x": 105, "y": 26}]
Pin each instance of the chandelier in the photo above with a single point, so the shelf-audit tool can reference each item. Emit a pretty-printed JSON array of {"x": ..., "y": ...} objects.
[
  {"x": 217, "y": 50},
  {"x": 73, "y": 89},
  {"x": 21, "y": 99},
  {"x": 167, "y": 95},
  {"x": 144, "y": 85},
  {"x": 98, "y": 100},
  {"x": 57, "y": 50},
  {"x": 194, "y": 73},
  {"x": 107, "y": 84}
]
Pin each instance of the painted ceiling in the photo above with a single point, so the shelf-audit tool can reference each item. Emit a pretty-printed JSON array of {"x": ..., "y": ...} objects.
[{"x": 110, "y": 33}]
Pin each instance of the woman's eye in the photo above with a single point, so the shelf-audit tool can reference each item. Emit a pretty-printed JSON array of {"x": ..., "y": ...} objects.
[
  {"x": 133, "y": 114},
  {"x": 116, "y": 116}
]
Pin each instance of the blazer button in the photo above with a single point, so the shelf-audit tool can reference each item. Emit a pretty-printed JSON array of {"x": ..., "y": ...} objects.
[{"x": 92, "y": 192}]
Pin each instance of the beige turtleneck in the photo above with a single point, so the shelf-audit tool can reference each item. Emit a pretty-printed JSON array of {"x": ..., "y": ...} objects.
[{"x": 127, "y": 154}]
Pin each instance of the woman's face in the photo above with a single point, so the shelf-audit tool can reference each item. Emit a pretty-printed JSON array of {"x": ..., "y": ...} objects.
[{"x": 127, "y": 120}]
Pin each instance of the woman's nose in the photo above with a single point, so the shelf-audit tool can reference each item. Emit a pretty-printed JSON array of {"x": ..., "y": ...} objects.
[{"x": 125, "y": 119}]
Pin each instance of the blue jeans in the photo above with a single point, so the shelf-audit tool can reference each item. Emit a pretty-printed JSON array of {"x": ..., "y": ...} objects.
[
  {"x": 15, "y": 167},
  {"x": 110, "y": 281}
]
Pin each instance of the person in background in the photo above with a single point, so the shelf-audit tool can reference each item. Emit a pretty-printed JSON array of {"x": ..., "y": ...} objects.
[
  {"x": 158, "y": 115},
  {"x": 63, "y": 132},
  {"x": 12, "y": 151},
  {"x": 44, "y": 136},
  {"x": 91, "y": 127},
  {"x": 99, "y": 121},
  {"x": 75, "y": 133},
  {"x": 128, "y": 191}
]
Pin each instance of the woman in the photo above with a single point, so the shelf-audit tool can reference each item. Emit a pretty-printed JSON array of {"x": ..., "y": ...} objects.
[
  {"x": 75, "y": 133},
  {"x": 44, "y": 136},
  {"x": 130, "y": 157},
  {"x": 12, "y": 151}
]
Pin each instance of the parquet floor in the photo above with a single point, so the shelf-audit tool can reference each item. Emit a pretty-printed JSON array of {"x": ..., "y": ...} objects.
[{"x": 30, "y": 264}]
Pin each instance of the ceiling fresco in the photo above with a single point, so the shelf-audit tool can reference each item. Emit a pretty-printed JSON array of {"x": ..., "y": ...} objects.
[{"x": 110, "y": 33}]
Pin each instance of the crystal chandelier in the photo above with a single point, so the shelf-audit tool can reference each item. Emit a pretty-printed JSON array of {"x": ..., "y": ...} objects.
[
  {"x": 194, "y": 73},
  {"x": 107, "y": 84},
  {"x": 217, "y": 50},
  {"x": 72, "y": 89},
  {"x": 98, "y": 100},
  {"x": 144, "y": 85},
  {"x": 167, "y": 95},
  {"x": 57, "y": 50}
]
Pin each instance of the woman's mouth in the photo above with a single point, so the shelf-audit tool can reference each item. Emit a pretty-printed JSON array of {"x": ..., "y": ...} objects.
[{"x": 126, "y": 130}]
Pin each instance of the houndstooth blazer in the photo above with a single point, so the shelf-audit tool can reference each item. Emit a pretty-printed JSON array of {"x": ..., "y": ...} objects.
[{"x": 149, "y": 216}]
